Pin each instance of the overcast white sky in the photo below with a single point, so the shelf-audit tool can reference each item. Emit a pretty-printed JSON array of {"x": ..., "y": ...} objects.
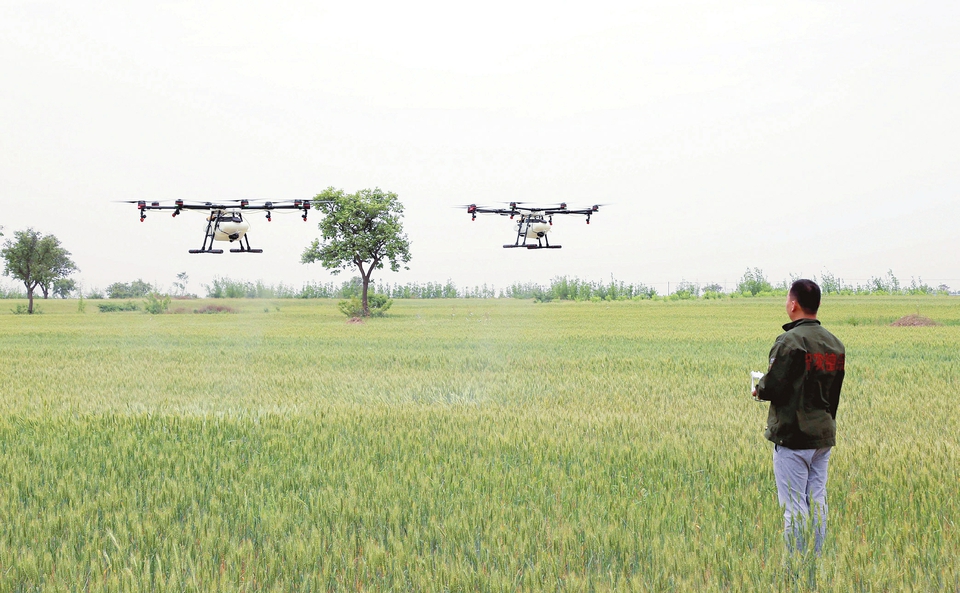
[{"x": 796, "y": 137}]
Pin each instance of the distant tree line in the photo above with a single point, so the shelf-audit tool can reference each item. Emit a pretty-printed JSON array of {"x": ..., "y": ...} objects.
[{"x": 754, "y": 283}]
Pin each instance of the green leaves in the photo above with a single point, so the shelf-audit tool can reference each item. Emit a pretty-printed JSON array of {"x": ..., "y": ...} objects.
[
  {"x": 363, "y": 230},
  {"x": 36, "y": 260}
]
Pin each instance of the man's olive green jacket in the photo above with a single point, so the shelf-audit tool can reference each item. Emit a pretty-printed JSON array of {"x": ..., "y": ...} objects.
[{"x": 803, "y": 386}]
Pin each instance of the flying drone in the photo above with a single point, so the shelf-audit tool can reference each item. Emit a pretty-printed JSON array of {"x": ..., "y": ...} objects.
[
  {"x": 534, "y": 222},
  {"x": 225, "y": 221}
]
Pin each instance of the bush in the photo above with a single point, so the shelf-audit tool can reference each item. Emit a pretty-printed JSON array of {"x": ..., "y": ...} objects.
[
  {"x": 351, "y": 308},
  {"x": 135, "y": 289},
  {"x": 156, "y": 303},
  {"x": 686, "y": 291},
  {"x": 116, "y": 307},
  {"x": 378, "y": 304}
]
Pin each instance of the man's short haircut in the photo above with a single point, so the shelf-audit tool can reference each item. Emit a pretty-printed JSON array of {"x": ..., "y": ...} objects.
[{"x": 807, "y": 294}]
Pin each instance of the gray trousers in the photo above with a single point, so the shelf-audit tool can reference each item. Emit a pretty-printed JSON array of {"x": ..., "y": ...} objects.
[{"x": 801, "y": 476}]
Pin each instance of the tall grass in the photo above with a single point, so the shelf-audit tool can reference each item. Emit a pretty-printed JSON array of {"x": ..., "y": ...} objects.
[{"x": 460, "y": 445}]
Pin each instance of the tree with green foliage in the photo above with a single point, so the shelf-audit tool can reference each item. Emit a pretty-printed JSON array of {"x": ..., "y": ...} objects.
[
  {"x": 64, "y": 287},
  {"x": 136, "y": 289},
  {"x": 61, "y": 266},
  {"x": 754, "y": 282},
  {"x": 36, "y": 260},
  {"x": 362, "y": 230}
]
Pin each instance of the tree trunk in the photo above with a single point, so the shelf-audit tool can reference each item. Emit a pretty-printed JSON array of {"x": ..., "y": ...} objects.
[
  {"x": 30, "y": 300},
  {"x": 364, "y": 305}
]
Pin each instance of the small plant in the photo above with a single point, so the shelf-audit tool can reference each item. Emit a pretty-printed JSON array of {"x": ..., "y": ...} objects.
[{"x": 25, "y": 310}]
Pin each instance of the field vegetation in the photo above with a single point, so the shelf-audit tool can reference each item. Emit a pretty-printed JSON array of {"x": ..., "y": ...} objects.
[{"x": 488, "y": 445}]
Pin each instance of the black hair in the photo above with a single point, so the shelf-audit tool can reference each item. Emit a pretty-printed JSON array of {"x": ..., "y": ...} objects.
[{"x": 807, "y": 294}]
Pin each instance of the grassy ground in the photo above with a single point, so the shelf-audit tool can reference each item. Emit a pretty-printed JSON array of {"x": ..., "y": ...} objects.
[{"x": 491, "y": 445}]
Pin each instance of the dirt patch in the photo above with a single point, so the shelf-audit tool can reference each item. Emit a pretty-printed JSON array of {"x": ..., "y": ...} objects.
[
  {"x": 914, "y": 321},
  {"x": 355, "y": 320}
]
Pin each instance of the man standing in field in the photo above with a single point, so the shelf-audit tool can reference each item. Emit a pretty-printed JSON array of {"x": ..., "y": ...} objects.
[{"x": 803, "y": 388}]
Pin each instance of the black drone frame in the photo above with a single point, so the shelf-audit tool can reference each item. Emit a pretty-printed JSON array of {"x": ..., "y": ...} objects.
[
  {"x": 529, "y": 216},
  {"x": 225, "y": 213}
]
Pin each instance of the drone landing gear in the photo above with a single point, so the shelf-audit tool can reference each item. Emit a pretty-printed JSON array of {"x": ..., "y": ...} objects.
[
  {"x": 208, "y": 238},
  {"x": 245, "y": 248},
  {"x": 523, "y": 228},
  {"x": 212, "y": 227}
]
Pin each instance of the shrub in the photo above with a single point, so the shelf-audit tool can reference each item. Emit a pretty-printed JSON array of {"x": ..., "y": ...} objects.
[
  {"x": 156, "y": 303},
  {"x": 351, "y": 308},
  {"x": 116, "y": 307},
  {"x": 378, "y": 304},
  {"x": 686, "y": 291},
  {"x": 135, "y": 289}
]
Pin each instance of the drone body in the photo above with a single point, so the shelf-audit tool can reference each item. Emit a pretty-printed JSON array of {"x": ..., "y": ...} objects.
[
  {"x": 533, "y": 223},
  {"x": 227, "y": 225},
  {"x": 225, "y": 222}
]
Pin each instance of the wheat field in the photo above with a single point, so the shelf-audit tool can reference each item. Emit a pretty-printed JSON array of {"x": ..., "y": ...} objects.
[{"x": 462, "y": 445}]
